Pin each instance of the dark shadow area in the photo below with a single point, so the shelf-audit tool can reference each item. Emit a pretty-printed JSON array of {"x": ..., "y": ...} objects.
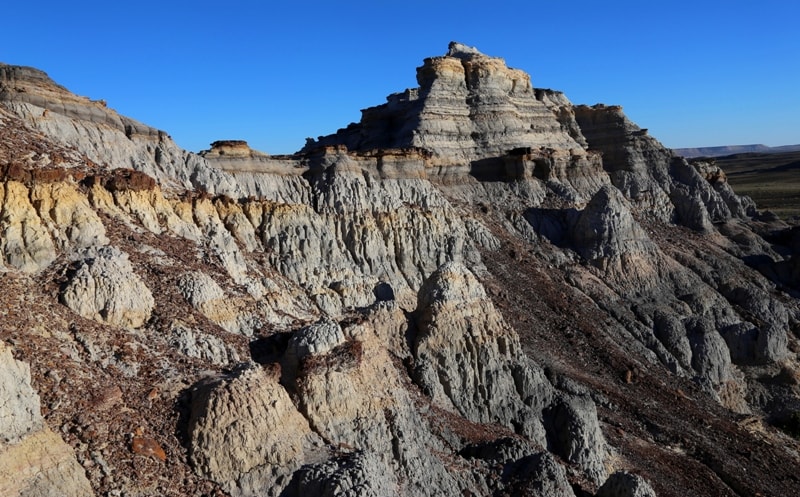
[
  {"x": 383, "y": 292},
  {"x": 183, "y": 408},
  {"x": 269, "y": 349},
  {"x": 552, "y": 224},
  {"x": 490, "y": 169}
]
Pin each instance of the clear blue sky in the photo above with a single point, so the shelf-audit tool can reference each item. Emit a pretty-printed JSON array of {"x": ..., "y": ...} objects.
[{"x": 695, "y": 73}]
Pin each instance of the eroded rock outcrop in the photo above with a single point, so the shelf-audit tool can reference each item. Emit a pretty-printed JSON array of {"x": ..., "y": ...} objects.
[
  {"x": 468, "y": 359},
  {"x": 468, "y": 106},
  {"x": 607, "y": 235},
  {"x": 34, "y": 461},
  {"x": 204, "y": 294},
  {"x": 624, "y": 484},
  {"x": 101, "y": 134},
  {"x": 247, "y": 434},
  {"x": 478, "y": 289},
  {"x": 105, "y": 288},
  {"x": 20, "y": 404}
]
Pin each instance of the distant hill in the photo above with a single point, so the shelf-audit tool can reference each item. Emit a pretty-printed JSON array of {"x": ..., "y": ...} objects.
[{"x": 734, "y": 149}]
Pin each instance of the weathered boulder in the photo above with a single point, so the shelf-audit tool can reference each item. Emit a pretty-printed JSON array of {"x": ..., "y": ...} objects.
[
  {"x": 625, "y": 484},
  {"x": 195, "y": 343},
  {"x": 574, "y": 434},
  {"x": 360, "y": 474},
  {"x": 246, "y": 434},
  {"x": 104, "y": 287},
  {"x": 42, "y": 465},
  {"x": 539, "y": 475},
  {"x": 525, "y": 470}
]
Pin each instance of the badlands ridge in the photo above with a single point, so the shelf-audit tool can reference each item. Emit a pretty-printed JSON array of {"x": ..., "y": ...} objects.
[{"x": 479, "y": 289}]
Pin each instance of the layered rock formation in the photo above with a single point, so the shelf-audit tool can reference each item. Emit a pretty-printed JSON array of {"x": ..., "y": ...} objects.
[{"x": 479, "y": 289}]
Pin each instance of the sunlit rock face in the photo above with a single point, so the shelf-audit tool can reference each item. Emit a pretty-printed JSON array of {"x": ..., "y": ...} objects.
[
  {"x": 479, "y": 289},
  {"x": 468, "y": 107}
]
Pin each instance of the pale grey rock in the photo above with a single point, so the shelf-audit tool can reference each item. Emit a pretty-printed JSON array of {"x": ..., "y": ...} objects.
[
  {"x": 637, "y": 164},
  {"x": 19, "y": 402},
  {"x": 606, "y": 231},
  {"x": 625, "y": 484},
  {"x": 50, "y": 468},
  {"x": 493, "y": 155},
  {"x": 558, "y": 103},
  {"x": 203, "y": 293},
  {"x": 104, "y": 136},
  {"x": 195, "y": 343},
  {"x": 361, "y": 474},
  {"x": 199, "y": 288},
  {"x": 574, "y": 434},
  {"x": 338, "y": 393},
  {"x": 367, "y": 230},
  {"x": 670, "y": 188},
  {"x": 315, "y": 339},
  {"x": 152, "y": 152},
  {"x": 246, "y": 434},
  {"x": 105, "y": 288},
  {"x": 469, "y": 360}
]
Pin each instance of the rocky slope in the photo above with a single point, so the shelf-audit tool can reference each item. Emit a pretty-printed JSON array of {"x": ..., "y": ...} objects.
[{"x": 479, "y": 289}]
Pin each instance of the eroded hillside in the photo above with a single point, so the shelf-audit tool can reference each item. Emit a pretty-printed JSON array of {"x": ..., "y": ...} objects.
[{"x": 479, "y": 289}]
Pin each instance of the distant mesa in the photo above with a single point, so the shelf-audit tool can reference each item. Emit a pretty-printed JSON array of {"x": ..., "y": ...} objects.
[
  {"x": 231, "y": 149},
  {"x": 723, "y": 150}
]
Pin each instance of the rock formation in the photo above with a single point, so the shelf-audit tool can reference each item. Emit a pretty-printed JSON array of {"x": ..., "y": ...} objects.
[
  {"x": 33, "y": 459},
  {"x": 479, "y": 289},
  {"x": 105, "y": 288}
]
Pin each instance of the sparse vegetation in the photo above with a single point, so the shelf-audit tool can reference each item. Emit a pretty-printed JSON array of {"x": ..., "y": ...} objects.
[{"x": 772, "y": 180}]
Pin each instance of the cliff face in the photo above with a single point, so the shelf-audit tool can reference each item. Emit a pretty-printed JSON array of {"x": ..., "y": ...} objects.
[{"x": 479, "y": 289}]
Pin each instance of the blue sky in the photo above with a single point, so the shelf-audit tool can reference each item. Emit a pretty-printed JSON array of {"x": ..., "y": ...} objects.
[{"x": 696, "y": 73}]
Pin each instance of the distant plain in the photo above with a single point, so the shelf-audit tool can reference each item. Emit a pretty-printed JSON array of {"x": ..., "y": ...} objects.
[{"x": 772, "y": 180}]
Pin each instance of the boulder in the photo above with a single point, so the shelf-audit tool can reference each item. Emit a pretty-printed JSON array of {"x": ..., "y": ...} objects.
[
  {"x": 104, "y": 287},
  {"x": 245, "y": 433},
  {"x": 625, "y": 484}
]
